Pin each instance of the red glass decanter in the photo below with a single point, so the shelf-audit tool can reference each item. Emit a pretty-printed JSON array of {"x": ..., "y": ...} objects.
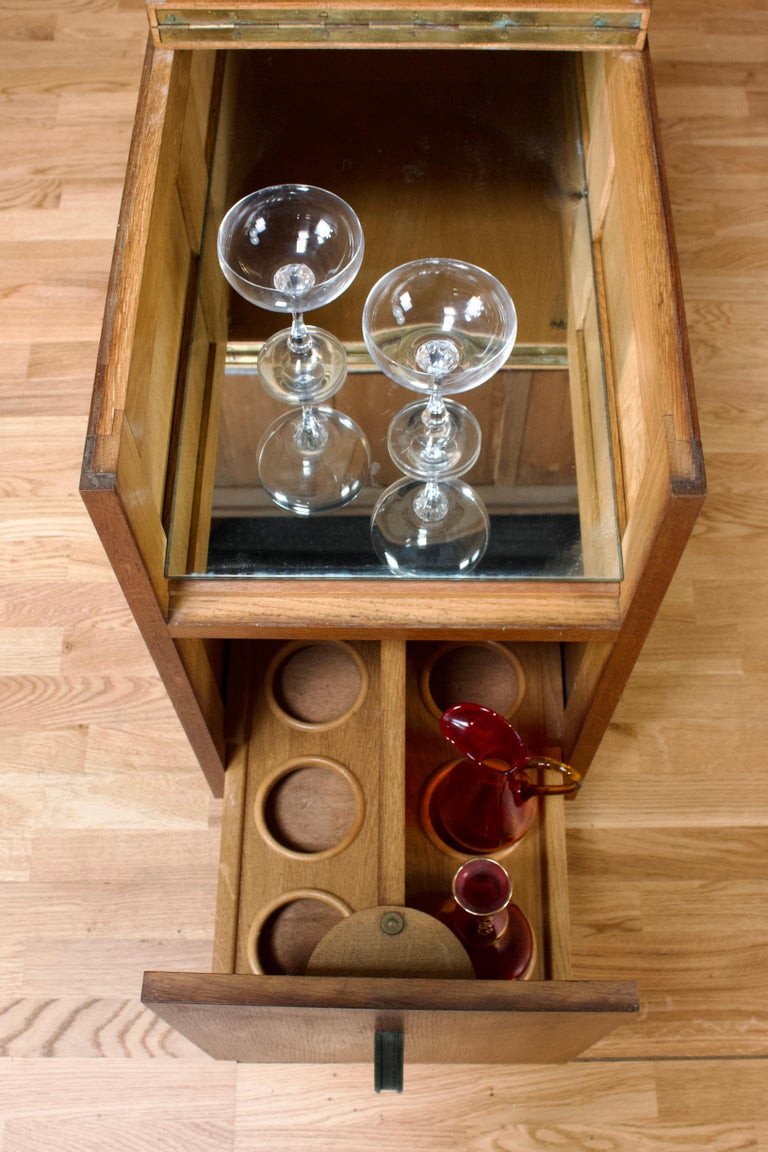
[
  {"x": 495, "y": 933},
  {"x": 487, "y": 802}
]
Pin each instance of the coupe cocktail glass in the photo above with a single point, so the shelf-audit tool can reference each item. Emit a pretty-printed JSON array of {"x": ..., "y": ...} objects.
[
  {"x": 290, "y": 248},
  {"x": 438, "y": 327}
]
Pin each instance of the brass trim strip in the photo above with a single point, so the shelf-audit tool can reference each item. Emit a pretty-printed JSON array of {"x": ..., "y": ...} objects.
[
  {"x": 242, "y": 355},
  {"x": 380, "y": 27},
  {"x": 387, "y": 17},
  {"x": 447, "y": 38}
]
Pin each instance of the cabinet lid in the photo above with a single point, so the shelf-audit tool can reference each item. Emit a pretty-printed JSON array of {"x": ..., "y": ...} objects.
[{"x": 551, "y": 24}]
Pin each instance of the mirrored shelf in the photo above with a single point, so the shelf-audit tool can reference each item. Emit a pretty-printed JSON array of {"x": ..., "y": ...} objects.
[{"x": 491, "y": 173}]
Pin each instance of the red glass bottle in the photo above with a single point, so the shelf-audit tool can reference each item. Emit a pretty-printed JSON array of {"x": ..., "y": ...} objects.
[
  {"x": 495, "y": 932},
  {"x": 487, "y": 802}
]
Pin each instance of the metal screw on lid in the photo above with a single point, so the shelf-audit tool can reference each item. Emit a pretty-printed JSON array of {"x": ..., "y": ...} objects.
[{"x": 392, "y": 923}]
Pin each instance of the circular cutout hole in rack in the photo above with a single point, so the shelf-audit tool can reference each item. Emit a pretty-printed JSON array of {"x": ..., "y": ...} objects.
[
  {"x": 483, "y": 672},
  {"x": 316, "y": 685},
  {"x": 288, "y": 929},
  {"x": 310, "y": 808}
]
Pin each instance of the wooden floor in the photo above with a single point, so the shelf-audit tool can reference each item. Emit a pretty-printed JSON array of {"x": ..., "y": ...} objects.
[{"x": 108, "y": 839}]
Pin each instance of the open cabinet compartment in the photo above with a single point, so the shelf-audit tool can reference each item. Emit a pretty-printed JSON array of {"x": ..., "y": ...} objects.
[
  {"x": 156, "y": 418},
  {"x": 280, "y": 890},
  {"x": 485, "y": 167}
]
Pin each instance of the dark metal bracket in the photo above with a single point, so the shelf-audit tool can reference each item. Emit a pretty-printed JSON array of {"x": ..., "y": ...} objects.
[{"x": 388, "y": 1061}]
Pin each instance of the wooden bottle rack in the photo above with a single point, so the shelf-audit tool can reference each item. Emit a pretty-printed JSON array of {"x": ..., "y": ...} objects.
[{"x": 322, "y": 811}]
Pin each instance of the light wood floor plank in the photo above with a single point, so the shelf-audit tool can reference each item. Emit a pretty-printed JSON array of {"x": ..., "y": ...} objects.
[{"x": 108, "y": 837}]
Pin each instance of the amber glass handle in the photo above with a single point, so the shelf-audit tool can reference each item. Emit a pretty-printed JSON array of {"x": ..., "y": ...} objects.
[{"x": 534, "y": 789}]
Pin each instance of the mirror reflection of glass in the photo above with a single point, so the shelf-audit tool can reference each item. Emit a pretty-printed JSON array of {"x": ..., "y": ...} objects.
[{"x": 492, "y": 176}]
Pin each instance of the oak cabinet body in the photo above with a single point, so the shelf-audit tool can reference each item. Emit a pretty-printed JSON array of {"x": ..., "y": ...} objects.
[{"x": 543, "y": 165}]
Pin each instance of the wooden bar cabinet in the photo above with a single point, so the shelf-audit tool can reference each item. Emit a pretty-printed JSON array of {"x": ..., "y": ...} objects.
[{"x": 308, "y": 679}]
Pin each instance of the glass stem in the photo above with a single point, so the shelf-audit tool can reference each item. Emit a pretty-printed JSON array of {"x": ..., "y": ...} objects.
[
  {"x": 430, "y": 504},
  {"x": 436, "y": 442},
  {"x": 311, "y": 433},
  {"x": 435, "y": 415},
  {"x": 300, "y": 340}
]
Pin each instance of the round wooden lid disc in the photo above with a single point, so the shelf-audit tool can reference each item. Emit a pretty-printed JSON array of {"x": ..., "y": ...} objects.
[{"x": 391, "y": 941}]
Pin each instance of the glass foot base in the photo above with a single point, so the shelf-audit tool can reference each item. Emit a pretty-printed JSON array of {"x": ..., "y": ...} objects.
[
  {"x": 421, "y": 451},
  {"x": 410, "y": 545},
  {"x": 313, "y": 461},
  {"x": 309, "y": 377}
]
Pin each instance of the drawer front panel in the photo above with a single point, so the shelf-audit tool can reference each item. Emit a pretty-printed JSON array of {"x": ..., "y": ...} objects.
[{"x": 277, "y": 1019}]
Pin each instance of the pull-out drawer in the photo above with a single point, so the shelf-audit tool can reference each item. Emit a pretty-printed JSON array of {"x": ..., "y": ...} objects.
[
  {"x": 324, "y": 816},
  {"x": 316, "y": 1020}
]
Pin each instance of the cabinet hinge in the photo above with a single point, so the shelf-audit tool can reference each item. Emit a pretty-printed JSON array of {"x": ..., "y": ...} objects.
[{"x": 282, "y": 27}]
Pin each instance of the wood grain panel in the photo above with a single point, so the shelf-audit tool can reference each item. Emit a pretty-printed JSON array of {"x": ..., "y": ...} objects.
[
  {"x": 274, "y": 1019},
  {"x": 600, "y": 158},
  {"x": 633, "y": 431},
  {"x": 357, "y": 740},
  {"x": 165, "y": 286},
  {"x": 230, "y": 862},
  {"x": 204, "y": 731},
  {"x": 122, "y": 306},
  {"x": 189, "y": 471},
  {"x": 651, "y": 260},
  {"x": 527, "y": 609},
  {"x": 391, "y": 848},
  {"x": 129, "y": 438}
]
